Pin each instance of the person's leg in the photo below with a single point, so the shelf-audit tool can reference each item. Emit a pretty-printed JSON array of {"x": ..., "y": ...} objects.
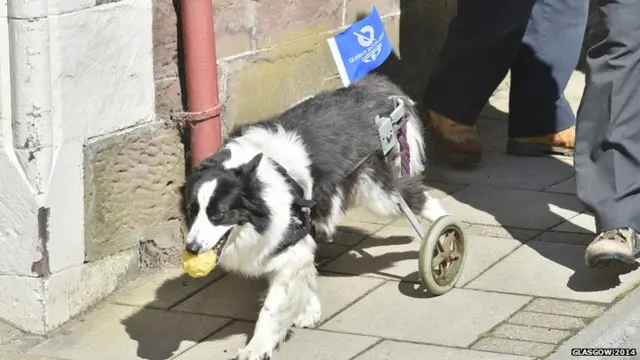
[
  {"x": 481, "y": 43},
  {"x": 541, "y": 120},
  {"x": 607, "y": 158}
]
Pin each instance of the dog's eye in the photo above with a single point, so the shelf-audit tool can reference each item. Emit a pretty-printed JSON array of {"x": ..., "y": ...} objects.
[{"x": 217, "y": 216}]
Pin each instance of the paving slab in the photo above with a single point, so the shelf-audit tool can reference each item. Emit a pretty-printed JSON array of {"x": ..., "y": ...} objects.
[
  {"x": 8, "y": 333},
  {"x": 426, "y": 224},
  {"x": 554, "y": 270},
  {"x": 584, "y": 223},
  {"x": 394, "y": 350},
  {"x": 568, "y": 308},
  {"x": 501, "y": 170},
  {"x": 163, "y": 289},
  {"x": 354, "y": 226},
  {"x": 566, "y": 159},
  {"x": 515, "y": 347},
  {"x": 396, "y": 312},
  {"x": 441, "y": 190},
  {"x": 23, "y": 343},
  {"x": 239, "y": 298},
  {"x": 522, "y": 235},
  {"x": 565, "y": 237},
  {"x": 550, "y": 321},
  {"x": 393, "y": 254},
  {"x": 512, "y": 208},
  {"x": 484, "y": 251},
  {"x": 574, "y": 90},
  {"x": 124, "y": 332},
  {"x": 5, "y": 355},
  {"x": 565, "y": 187},
  {"x": 329, "y": 251},
  {"x": 303, "y": 344},
  {"x": 530, "y": 333},
  {"x": 493, "y": 133},
  {"x": 363, "y": 215},
  {"x": 350, "y": 235}
]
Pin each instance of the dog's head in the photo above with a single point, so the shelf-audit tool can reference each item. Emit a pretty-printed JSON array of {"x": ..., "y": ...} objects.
[{"x": 220, "y": 199}]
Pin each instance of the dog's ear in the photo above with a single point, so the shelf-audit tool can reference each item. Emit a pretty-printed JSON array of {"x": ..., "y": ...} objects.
[
  {"x": 214, "y": 161},
  {"x": 252, "y": 166}
]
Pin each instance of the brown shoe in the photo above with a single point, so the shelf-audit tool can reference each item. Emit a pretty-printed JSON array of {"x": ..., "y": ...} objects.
[
  {"x": 561, "y": 143},
  {"x": 613, "y": 247},
  {"x": 460, "y": 141}
]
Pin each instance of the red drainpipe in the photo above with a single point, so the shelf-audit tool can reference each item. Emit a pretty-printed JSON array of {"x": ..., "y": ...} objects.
[{"x": 201, "y": 78}]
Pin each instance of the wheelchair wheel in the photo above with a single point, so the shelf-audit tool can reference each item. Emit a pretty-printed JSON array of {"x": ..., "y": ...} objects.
[{"x": 442, "y": 255}]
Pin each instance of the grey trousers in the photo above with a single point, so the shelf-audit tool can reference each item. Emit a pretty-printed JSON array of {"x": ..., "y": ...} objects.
[{"x": 607, "y": 156}]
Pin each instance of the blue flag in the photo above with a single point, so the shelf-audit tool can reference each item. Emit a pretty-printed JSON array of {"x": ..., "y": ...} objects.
[{"x": 360, "y": 48}]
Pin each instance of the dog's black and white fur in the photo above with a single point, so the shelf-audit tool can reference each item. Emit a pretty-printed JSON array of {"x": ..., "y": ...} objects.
[{"x": 240, "y": 204}]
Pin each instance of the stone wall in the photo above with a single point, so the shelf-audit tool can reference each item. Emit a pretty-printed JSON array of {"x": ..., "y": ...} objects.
[
  {"x": 88, "y": 169},
  {"x": 272, "y": 53}
]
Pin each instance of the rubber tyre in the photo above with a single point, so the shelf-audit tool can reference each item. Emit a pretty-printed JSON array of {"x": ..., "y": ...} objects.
[{"x": 429, "y": 243}]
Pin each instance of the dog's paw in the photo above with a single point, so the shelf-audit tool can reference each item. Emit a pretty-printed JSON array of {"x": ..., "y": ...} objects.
[
  {"x": 310, "y": 317},
  {"x": 252, "y": 352}
]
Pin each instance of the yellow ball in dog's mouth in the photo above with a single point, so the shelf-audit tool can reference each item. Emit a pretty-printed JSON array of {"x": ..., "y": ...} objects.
[{"x": 199, "y": 265}]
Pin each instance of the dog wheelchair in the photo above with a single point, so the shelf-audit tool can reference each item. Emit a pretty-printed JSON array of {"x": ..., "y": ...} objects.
[{"x": 443, "y": 251}]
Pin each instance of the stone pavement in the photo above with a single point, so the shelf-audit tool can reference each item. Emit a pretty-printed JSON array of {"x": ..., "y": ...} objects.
[{"x": 524, "y": 290}]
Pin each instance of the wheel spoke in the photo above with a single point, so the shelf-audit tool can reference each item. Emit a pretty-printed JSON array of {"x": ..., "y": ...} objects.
[
  {"x": 438, "y": 260},
  {"x": 449, "y": 239}
]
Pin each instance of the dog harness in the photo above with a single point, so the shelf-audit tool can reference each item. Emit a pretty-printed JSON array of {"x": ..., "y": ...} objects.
[
  {"x": 393, "y": 130},
  {"x": 300, "y": 223}
]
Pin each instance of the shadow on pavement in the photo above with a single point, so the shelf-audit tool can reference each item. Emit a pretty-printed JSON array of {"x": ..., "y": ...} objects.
[{"x": 155, "y": 341}]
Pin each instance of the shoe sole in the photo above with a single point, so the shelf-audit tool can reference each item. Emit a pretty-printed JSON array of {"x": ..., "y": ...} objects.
[
  {"x": 453, "y": 157},
  {"x": 610, "y": 260},
  {"x": 517, "y": 148}
]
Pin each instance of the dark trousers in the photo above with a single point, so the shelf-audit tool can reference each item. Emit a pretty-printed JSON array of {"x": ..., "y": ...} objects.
[
  {"x": 607, "y": 156},
  {"x": 538, "y": 40}
]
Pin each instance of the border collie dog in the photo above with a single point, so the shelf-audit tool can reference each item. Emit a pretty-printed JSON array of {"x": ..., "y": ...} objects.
[{"x": 244, "y": 200}]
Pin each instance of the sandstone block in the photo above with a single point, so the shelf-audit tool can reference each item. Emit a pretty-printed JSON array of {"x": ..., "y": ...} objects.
[{"x": 132, "y": 184}]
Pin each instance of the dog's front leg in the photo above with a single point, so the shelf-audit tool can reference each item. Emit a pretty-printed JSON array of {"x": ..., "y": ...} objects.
[{"x": 274, "y": 321}]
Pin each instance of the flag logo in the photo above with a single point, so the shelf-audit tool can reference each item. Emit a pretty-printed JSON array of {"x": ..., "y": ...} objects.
[
  {"x": 365, "y": 36},
  {"x": 360, "y": 48}
]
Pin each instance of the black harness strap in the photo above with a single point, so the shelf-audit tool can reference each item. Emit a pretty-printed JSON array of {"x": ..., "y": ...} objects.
[{"x": 300, "y": 223}]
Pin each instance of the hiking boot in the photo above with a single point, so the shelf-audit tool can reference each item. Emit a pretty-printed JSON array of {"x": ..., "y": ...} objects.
[
  {"x": 461, "y": 142},
  {"x": 613, "y": 247},
  {"x": 560, "y": 143}
]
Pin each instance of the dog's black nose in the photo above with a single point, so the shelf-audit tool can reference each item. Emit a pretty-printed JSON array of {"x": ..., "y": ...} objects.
[{"x": 194, "y": 248}]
